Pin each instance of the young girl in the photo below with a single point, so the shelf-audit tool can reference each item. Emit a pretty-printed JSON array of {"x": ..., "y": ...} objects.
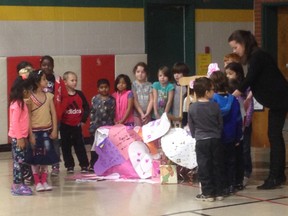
[
  {"x": 235, "y": 74},
  {"x": 18, "y": 131},
  {"x": 124, "y": 100},
  {"x": 179, "y": 70},
  {"x": 41, "y": 153},
  {"x": 163, "y": 93},
  {"x": 143, "y": 95}
]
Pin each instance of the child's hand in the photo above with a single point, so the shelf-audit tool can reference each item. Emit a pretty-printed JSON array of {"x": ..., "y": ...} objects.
[
  {"x": 21, "y": 143},
  {"x": 32, "y": 140},
  {"x": 53, "y": 134}
]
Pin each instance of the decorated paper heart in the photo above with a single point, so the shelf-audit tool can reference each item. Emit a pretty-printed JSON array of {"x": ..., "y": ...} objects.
[
  {"x": 156, "y": 129},
  {"x": 109, "y": 156},
  {"x": 179, "y": 147},
  {"x": 141, "y": 159},
  {"x": 122, "y": 137}
]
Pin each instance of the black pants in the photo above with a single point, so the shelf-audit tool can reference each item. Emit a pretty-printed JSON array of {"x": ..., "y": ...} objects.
[
  {"x": 93, "y": 154},
  {"x": 210, "y": 166},
  {"x": 72, "y": 136},
  {"x": 276, "y": 120}
]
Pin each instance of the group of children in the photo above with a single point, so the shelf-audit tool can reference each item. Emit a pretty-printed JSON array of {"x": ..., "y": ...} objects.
[
  {"x": 36, "y": 113},
  {"x": 221, "y": 125},
  {"x": 42, "y": 104}
]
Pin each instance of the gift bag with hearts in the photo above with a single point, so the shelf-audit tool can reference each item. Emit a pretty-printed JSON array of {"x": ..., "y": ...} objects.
[{"x": 179, "y": 147}]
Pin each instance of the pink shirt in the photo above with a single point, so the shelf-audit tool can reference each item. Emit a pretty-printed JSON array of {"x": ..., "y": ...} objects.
[
  {"x": 122, "y": 106},
  {"x": 19, "y": 121}
]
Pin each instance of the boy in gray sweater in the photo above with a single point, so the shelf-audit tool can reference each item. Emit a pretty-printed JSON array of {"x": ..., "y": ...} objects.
[{"x": 205, "y": 123}]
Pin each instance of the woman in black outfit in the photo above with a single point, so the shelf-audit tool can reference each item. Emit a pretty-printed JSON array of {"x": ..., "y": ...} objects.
[{"x": 270, "y": 89}]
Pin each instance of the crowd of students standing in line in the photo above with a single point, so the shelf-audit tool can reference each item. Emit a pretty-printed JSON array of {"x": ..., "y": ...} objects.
[{"x": 224, "y": 128}]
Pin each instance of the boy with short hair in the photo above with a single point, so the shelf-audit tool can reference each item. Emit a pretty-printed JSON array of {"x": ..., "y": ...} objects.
[
  {"x": 102, "y": 113},
  {"x": 74, "y": 116},
  {"x": 205, "y": 123}
]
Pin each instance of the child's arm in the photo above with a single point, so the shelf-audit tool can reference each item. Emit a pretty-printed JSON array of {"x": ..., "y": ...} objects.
[
  {"x": 150, "y": 104},
  {"x": 129, "y": 109},
  {"x": 85, "y": 106},
  {"x": 155, "y": 103},
  {"x": 92, "y": 117},
  {"x": 170, "y": 101},
  {"x": 137, "y": 105},
  {"x": 54, "y": 132},
  {"x": 32, "y": 139}
]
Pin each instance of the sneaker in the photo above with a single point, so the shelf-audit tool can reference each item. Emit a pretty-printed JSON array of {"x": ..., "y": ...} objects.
[
  {"x": 219, "y": 197},
  {"x": 47, "y": 187},
  {"x": 70, "y": 170},
  {"x": 84, "y": 170},
  {"x": 91, "y": 169},
  {"x": 39, "y": 187},
  {"x": 55, "y": 171},
  {"x": 245, "y": 181},
  {"x": 239, "y": 187},
  {"x": 21, "y": 190},
  {"x": 202, "y": 197}
]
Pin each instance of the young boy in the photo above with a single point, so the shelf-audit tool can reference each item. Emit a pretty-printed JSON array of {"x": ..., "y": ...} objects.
[
  {"x": 102, "y": 113},
  {"x": 205, "y": 123},
  {"x": 75, "y": 114},
  {"x": 179, "y": 70}
]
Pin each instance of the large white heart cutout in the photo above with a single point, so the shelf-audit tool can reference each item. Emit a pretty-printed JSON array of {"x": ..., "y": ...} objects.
[{"x": 179, "y": 147}]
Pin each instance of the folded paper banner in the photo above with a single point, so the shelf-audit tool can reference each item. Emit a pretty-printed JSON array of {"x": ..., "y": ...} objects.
[
  {"x": 100, "y": 134},
  {"x": 156, "y": 129},
  {"x": 179, "y": 147},
  {"x": 141, "y": 159},
  {"x": 109, "y": 156},
  {"x": 122, "y": 136}
]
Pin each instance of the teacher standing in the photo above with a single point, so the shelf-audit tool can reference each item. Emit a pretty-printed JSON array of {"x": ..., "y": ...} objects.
[{"x": 270, "y": 89}]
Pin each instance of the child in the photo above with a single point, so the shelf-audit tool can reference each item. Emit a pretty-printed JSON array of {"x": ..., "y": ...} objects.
[
  {"x": 143, "y": 95},
  {"x": 179, "y": 70},
  {"x": 47, "y": 65},
  {"x": 24, "y": 68},
  {"x": 235, "y": 74},
  {"x": 102, "y": 113},
  {"x": 205, "y": 123},
  {"x": 75, "y": 115},
  {"x": 232, "y": 125},
  {"x": 41, "y": 152},
  {"x": 231, "y": 57},
  {"x": 163, "y": 93},
  {"x": 124, "y": 101},
  {"x": 18, "y": 131}
]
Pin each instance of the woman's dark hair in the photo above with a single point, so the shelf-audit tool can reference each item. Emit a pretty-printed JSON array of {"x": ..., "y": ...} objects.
[
  {"x": 180, "y": 67},
  {"x": 166, "y": 71},
  {"x": 126, "y": 79},
  {"x": 17, "y": 89},
  {"x": 141, "y": 64},
  {"x": 35, "y": 78},
  {"x": 23, "y": 64},
  {"x": 247, "y": 39},
  {"x": 220, "y": 81},
  {"x": 201, "y": 85},
  {"x": 47, "y": 57}
]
